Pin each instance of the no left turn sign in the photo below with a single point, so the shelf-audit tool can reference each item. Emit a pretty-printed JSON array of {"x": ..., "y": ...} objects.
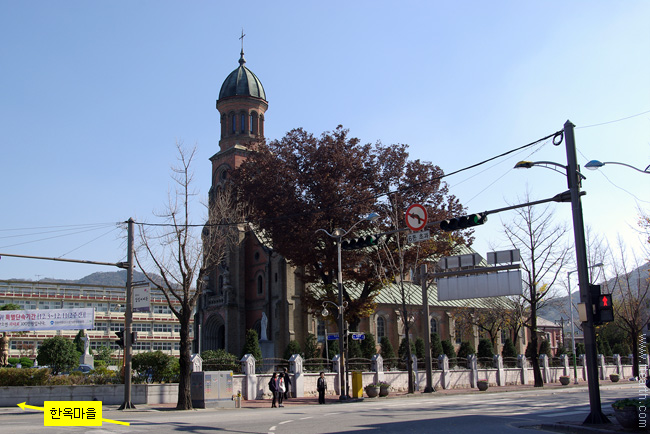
[{"x": 416, "y": 217}]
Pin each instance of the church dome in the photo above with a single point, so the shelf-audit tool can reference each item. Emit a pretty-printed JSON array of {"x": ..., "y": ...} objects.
[{"x": 242, "y": 82}]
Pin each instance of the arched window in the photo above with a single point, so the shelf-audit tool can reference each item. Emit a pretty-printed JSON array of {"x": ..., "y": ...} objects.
[
  {"x": 381, "y": 327},
  {"x": 242, "y": 127},
  {"x": 320, "y": 330},
  {"x": 260, "y": 286},
  {"x": 250, "y": 122},
  {"x": 434, "y": 325},
  {"x": 233, "y": 126}
]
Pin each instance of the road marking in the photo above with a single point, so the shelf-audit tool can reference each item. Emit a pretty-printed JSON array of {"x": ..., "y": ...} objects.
[
  {"x": 285, "y": 421},
  {"x": 330, "y": 414},
  {"x": 305, "y": 418},
  {"x": 272, "y": 428}
]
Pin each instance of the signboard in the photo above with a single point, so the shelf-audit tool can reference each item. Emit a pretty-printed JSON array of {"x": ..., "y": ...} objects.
[
  {"x": 358, "y": 336},
  {"x": 141, "y": 298},
  {"x": 416, "y": 217},
  {"x": 480, "y": 285},
  {"x": 416, "y": 237},
  {"x": 47, "y": 319},
  {"x": 332, "y": 336}
]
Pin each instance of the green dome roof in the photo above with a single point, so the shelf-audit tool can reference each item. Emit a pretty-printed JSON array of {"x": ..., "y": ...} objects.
[{"x": 242, "y": 82}]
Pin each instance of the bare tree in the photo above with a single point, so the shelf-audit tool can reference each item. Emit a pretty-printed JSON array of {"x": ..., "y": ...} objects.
[
  {"x": 181, "y": 253},
  {"x": 544, "y": 252},
  {"x": 495, "y": 315},
  {"x": 631, "y": 299}
]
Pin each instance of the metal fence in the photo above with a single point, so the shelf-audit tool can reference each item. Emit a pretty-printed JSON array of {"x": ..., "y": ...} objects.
[
  {"x": 317, "y": 365},
  {"x": 222, "y": 365}
]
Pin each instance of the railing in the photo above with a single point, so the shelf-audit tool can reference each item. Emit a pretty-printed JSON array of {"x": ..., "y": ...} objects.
[
  {"x": 266, "y": 366},
  {"x": 510, "y": 362},
  {"x": 222, "y": 365},
  {"x": 485, "y": 362},
  {"x": 317, "y": 365},
  {"x": 359, "y": 364}
]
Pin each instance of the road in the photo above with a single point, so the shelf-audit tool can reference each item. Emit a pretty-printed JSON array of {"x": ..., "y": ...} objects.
[{"x": 473, "y": 413}]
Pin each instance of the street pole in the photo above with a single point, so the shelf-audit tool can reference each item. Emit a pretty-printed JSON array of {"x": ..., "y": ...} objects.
[
  {"x": 573, "y": 337},
  {"x": 596, "y": 415},
  {"x": 427, "y": 330},
  {"x": 343, "y": 374},
  {"x": 128, "y": 320}
]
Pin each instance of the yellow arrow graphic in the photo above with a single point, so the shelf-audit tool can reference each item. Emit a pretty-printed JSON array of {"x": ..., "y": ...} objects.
[{"x": 24, "y": 405}]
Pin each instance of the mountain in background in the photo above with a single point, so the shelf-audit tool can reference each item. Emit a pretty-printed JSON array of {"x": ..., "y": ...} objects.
[{"x": 110, "y": 278}]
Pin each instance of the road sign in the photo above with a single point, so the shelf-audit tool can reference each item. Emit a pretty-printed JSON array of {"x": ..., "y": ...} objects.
[
  {"x": 416, "y": 237},
  {"x": 358, "y": 336},
  {"x": 416, "y": 217},
  {"x": 332, "y": 336}
]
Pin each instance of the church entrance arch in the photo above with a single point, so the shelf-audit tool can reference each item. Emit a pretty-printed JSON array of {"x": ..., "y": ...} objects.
[{"x": 214, "y": 334}]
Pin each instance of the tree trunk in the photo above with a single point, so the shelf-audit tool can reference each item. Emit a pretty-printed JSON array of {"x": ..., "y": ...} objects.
[
  {"x": 537, "y": 373},
  {"x": 635, "y": 354},
  {"x": 184, "y": 392}
]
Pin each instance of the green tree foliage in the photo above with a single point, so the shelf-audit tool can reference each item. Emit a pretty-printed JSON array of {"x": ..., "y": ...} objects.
[
  {"x": 485, "y": 349},
  {"x": 387, "y": 351},
  {"x": 509, "y": 349},
  {"x": 311, "y": 346},
  {"x": 466, "y": 348},
  {"x": 354, "y": 348},
  {"x": 448, "y": 349},
  {"x": 580, "y": 348},
  {"x": 622, "y": 349},
  {"x": 252, "y": 345},
  {"x": 332, "y": 349},
  {"x": 401, "y": 350},
  {"x": 369, "y": 346},
  {"x": 603, "y": 347},
  {"x": 10, "y": 306},
  {"x": 436, "y": 346},
  {"x": 59, "y": 354},
  {"x": 102, "y": 354},
  {"x": 78, "y": 342},
  {"x": 160, "y": 366},
  {"x": 219, "y": 360},
  {"x": 292, "y": 348},
  {"x": 545, "y": 348},
  {"x": 419, "y": 349}
]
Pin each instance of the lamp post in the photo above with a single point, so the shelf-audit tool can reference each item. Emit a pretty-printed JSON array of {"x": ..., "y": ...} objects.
[
  {"x": 573, "y": 337},
  {"x": 338, "y": 235},
  {"x": 574, "y": 177},
  {"x": 595, "y": 165}
]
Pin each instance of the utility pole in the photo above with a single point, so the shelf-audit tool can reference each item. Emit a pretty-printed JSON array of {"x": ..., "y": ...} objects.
[
  {"x": 128, "y": 320},
  {"x": 596, "y": 415},
  {"x": 427, "y": 329}
]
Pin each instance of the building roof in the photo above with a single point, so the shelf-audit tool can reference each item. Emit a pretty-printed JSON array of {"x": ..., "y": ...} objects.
[{"x": 242, "y": 82}]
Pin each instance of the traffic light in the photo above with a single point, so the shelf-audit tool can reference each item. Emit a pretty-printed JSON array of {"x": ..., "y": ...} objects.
[
  {"x": 466, "y": 221},
  {"x": 604, "y": 311},
  {"x": 120, "y": 341},
  {"x": 361, "y": 242}
]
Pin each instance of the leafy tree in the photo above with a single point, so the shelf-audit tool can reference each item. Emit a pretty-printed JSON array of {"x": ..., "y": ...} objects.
[
  {"x": 436, "y": 346},
  {"x": 295, "y": 173},
  {"x": 419, "y": 349},
  {"x": 155, "y": 363},
  {"x": 59, "y": 354},
  {"x": 78, "y": 342},
  {"x": 252, "y": 345},
  {"x": 103, "y": 354},
  {"x": 466, "y": 348},
  {"x": 387, "y": 351},
  {"x": 485, "y": 348},
  {"x": 544, "y": 252},
  {"x": 311, "y": 346},
  {"x": 369, "y": 346},
  {"x": 292, "y": 348},
  {"x": 354, "y": 348},
  {"x": 10, "y": 306},
  {"x": 448, "y": 349},
  {"x": 509, "y": 349},
  {"x": 332, "y": 349},
  {"x": 182, "y": 253},
  {"x": 545, "y": 348},
  {"x": 580, "y": 348},
  {"x": 219, "y": 360},
  {"x": 621, "y": 348},
  {"x": 402, "y": 351}
]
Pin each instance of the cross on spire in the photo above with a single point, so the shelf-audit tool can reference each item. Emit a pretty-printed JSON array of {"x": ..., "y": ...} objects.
[{"x": 242, "y": 39}]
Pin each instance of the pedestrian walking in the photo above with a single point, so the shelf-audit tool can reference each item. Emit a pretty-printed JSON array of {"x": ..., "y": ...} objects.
[
  {"x": 273, "y": 387},
  {"x": 287, "y": 384},
  {"x": 281, "y": 389},
  {"x": 321, "y": 387}
]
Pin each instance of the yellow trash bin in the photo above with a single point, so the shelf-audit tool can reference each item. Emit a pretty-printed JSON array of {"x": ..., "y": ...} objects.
[{"x": 357, "y": 384}]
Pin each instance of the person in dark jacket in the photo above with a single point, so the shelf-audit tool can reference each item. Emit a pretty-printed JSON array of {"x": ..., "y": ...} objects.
[
  {"x": 287, "y": 383},
  {"x": 321, "y": 387},
  {"x": 273, "y": 387}
]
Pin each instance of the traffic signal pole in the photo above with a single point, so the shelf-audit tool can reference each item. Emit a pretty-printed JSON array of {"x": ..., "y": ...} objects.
[{"x": 596, "y": 415}]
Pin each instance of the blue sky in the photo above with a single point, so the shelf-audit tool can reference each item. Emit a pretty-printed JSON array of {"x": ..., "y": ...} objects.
[{"x": 94, "y": 95}]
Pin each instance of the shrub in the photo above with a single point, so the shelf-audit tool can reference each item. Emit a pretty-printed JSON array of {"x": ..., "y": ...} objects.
[
  {"x": 401, "y": 350},
  {"x": 332, "y": 349},
  {"x": 448, "y": 349},
  {"x": 292, "y": 348},
  {"x": 545, "y": 348},
  {"x": 219, "y": 360},
  {"x": 59, "y": 354},
  {"x": 436, "y": 346},
  {"x": 311, "y": 346},
  {"x": 26, "y": 362},
  {"x": 485, "y": 348},
  {"x": 419, "y": 348},
  {"x": 252, "y": 345},
  {"x": 387, "y": 351},
  {"x": 24, "y": 377},
  {"x": 354, "y": 348},
  {"x": 369, "y": 346},
  {"x": 157, "y": 364},
  {"x": 465, "y": 350},
  {"x": 509, "y": 349}
]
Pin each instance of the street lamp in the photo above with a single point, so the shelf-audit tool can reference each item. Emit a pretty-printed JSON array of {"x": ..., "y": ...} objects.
[
  {"x": 574, "y": 177},
  {"x": 595, "y": 165},
  {"x": 338, "y": 234},
  {"x": 573, "y": 337}
]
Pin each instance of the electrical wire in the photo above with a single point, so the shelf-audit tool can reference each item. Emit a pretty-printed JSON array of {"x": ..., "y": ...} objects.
[
  {"x": 50, "y": 238},
  {"x": 615, "y": 120}
]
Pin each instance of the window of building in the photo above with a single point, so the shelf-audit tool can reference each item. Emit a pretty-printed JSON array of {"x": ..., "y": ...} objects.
[
  {"x": 141, "y": 327},
  {"x": 233, "y": 127},
  {"x": 27, "y": 304},
  {"x": 242, "y": 127},
  {"x": 458, "y": 334},
  {"x": 320, "y": 330},
  {"x": 381, "y": 327},
  {"x": 161, "y": 308},
  {"x": 49, "y": 305},
  {"x": 260, "y": 285},
  {"x": 162, "y": 328},
  {"x": 101, "y": 326},
  {"x": 161, "y": 346},
  {"x": 116, "y": 326},
  {"x": 250, "y": 120},
  {"x": 101, "y": 307},
  {"x": 116, "y": 307},
  {"x": 142, "y": 346},
  {"x": 434, "y": 325},
  {"x": 177, "y": 328}
]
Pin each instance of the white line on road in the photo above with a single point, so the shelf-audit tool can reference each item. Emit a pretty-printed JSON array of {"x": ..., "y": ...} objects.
[
  {"x": 272, "y": 428},
  {"x": 285, "y": 421},
  {"x": 305, "y": 418}
]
